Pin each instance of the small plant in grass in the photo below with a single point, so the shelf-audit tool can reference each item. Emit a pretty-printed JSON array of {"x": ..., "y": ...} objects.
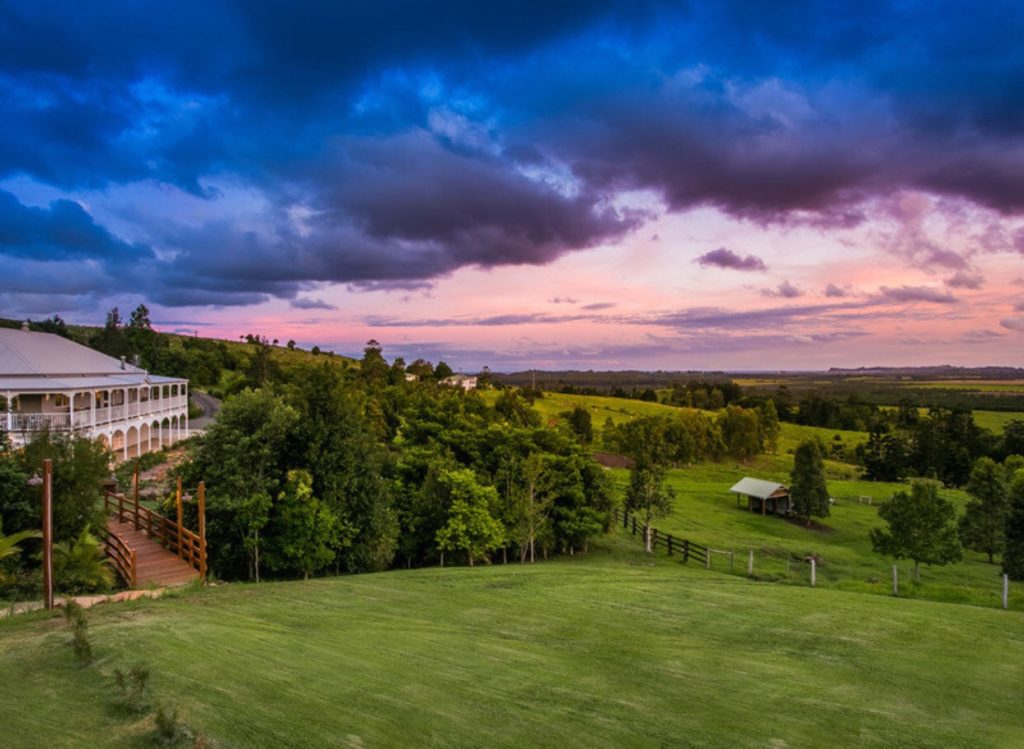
[
  {"x": 169, "y": 729},
  {"x": 75, "y": 616},
  {"x": 133, "y": 685}
]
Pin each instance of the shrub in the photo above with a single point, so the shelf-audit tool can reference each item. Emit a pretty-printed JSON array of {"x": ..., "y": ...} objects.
[
  {"x": 75, "y": 615},
  {"x": 133, "y": 685},
  {"x": 168, "y": 728}
]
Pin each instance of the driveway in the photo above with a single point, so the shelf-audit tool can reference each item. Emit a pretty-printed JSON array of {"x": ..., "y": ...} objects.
[{"x": 210, "y": 406}]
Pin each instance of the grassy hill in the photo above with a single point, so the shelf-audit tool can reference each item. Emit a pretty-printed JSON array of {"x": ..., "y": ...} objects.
[{"x": 608, "y": 649}]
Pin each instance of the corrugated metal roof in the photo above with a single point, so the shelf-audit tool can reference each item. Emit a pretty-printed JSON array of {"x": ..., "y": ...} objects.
[
  {"x": 756, "y": 487},
  {"x": 26, "y": 353},
  {"x": 88, "y": 382}
]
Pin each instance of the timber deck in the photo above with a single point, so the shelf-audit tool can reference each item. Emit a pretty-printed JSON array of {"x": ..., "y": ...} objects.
[{"x": 154, "y": 565}]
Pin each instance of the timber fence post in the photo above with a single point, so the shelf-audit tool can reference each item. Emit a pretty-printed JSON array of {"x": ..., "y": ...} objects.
[
  {"x": 895, "y": 581},
  {"x": 750, "y": 564},
  {"x": 1006, "y": 591},
  {"x": 814, "y": 572}
]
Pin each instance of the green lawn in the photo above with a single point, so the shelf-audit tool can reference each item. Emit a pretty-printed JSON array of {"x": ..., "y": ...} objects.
[{"x": 609, "y": 649}]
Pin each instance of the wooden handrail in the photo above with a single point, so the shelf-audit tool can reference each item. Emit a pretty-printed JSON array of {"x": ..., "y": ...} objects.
[
  {"x": 187, "y": 544},
  {"x": 123, "y": 558}
]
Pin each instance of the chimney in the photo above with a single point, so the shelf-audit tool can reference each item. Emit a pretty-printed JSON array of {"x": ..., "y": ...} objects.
[
  {"x": 24, "y": 326},
  {"x": 122, "y": 362}
]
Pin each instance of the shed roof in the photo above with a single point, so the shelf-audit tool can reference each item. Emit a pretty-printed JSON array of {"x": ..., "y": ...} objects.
[{"x": 757, "y": 487}]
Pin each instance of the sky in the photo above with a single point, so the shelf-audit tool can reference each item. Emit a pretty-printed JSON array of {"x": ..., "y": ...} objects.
[{"x": 588, "y": 185}]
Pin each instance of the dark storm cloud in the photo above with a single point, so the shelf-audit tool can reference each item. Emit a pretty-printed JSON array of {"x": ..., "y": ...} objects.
[
  {"x": 423, "y": 138},
  {"x": 62, "y": 231},
  {"x": 725, "y": 258}
]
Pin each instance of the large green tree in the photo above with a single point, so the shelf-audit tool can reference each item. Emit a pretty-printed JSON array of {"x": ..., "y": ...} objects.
[
  {"x": 921, "y": 526},
  {"x": 243, "y": 459},
  {"x": 807, "y": 490},
  {"x": 1013, "y": 556},
  {"x": 983, "y": 525},
  {"x": 302, "y": 533},
  {"x": 471, "y": 527}
]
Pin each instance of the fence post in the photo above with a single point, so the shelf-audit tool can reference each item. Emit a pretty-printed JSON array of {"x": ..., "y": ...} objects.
[
  {"x": 1006, "y": 591},
  {"x": 750, "y": 564},
  {"x": 668, "y": 540},
  {"x": 895, "y": 581},
  {"x": 625, "y": 519},
  {"x": 634, "y": 526},
  {"x": 707, "y": 558},
  {"x": 686, "y": 550},
  {"x": 814, "y": 572}
]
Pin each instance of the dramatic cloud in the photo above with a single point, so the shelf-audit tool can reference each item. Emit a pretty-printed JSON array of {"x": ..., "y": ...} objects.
[
  {"x": 724, "y": 258},
  {"x": 835, "y": 292}
]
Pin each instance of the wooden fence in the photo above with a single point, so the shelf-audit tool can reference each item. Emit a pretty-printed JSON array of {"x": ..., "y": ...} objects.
[
  {"x": 173, "y": 536},
  {"x": 686, "y": 548}
]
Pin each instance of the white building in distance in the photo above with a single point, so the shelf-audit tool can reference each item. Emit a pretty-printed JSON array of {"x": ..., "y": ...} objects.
[{"x": 50, "y": 382}]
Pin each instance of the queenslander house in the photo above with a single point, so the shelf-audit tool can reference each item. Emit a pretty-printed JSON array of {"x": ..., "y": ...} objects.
[{"x": 50, "y": 383}]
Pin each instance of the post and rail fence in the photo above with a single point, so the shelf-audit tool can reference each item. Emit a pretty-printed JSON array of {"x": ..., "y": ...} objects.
[{"x": 684, "y": 547}]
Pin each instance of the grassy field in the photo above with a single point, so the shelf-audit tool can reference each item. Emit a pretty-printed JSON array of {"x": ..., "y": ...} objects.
[
  {"x": 624, "y": 409},
  {"x": 705, "y": 512},
  {"x": 609, "y": 649}
]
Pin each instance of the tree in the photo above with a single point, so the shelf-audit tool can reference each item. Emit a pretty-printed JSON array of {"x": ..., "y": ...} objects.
[
  {"x": 983, "y": 525},
  {"x": 644, "y": 441},
  {"x": 442, "y": 371},
  {"x": 302, "y": 533},
  {"x": 884, "y": 455},
  {"x": 580, "y": 423},
  {"x": 921, "y": 527},
  {"x": 79, "y": 468},
  {"x": 1013, "y": 556},
  {"x": 470, "y": 527},
  {"x": 290, "y": 345},
  {"x": 768, "y": 421},
  {"x": 243, "y": 458},
  {"x": 807, "y": 490},
  {"x": 741, "y": 431}
]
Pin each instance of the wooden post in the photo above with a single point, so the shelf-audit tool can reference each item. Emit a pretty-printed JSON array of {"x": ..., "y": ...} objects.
[
  {"x": 895, "y": 581},
  {"x": 763, "y": 503},
  {"x": 634, "y": 526},
  {"x": 48, "y": 533},
  {"x": 1006, "y": 591},
  {"x": 135, "y": 571},
  {"x": 707, "y": 558},
  {"x": 668, "y": 540},
  {"x": 136, "y": 495},
  {"x": 814, "y": 572},
  {"x": 686, "y": 550},
  {"x": 750, "y": 564},
  {"x": 202, "y": 531},
  {"x": 442, "y": 559},
  {"x": 181, "y": 554}
]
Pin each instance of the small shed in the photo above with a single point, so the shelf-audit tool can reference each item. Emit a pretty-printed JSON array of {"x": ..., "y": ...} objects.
[{"x": 768, "y": 496}]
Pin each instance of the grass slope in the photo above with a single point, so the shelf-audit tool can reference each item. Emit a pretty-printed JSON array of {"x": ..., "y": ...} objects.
[{"x": 607, "y": 650}]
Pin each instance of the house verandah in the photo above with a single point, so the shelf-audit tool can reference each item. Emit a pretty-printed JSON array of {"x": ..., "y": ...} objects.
[{"x": 50, "y": 383}]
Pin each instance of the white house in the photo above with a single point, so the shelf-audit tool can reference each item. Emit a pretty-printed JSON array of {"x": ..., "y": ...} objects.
[
  {"x": 466, "y": 382},
  {"x": 49, "y": 382}
]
